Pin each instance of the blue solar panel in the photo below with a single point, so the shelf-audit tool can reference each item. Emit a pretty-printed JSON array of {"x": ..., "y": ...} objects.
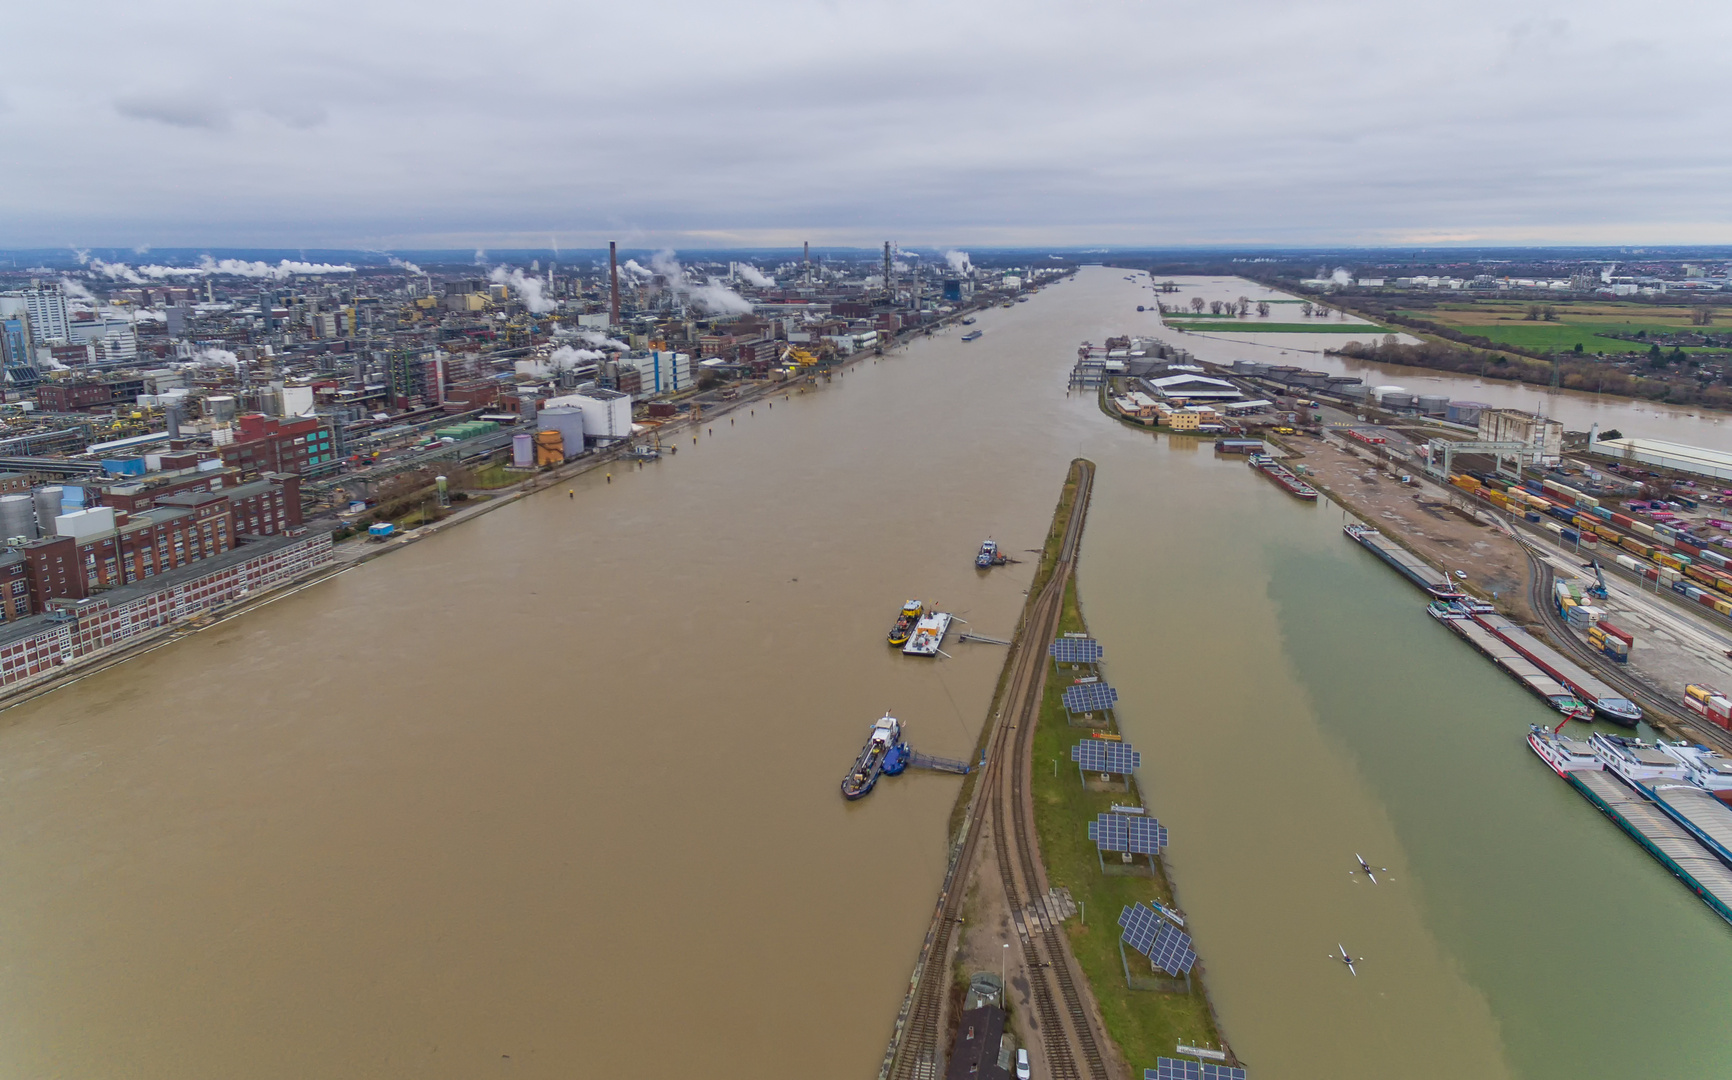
[
  {"x": 1172, "y": 951},
  {"x": 1182, "y": 1069},
  {"x": 1109, "y": 833},
  {"x": 1144, "y": 835},
  {"x": 1138, "y": 927},
  {"x": 1106, "y": 756},
  {"x": 1090, "y": 697},
  {"x": 1076, "y": 651}
]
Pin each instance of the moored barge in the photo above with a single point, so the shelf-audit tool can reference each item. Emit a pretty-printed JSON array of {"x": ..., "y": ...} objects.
[
  {"x": 1279, "y": 473},
  {"x": 886, "y": 736}
]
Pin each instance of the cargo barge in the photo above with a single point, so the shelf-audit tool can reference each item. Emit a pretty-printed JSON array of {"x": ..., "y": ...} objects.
[
  {"x": 1677, "y": 849},
  {"x": 885, "y": 737},
  {"x": 1606, "y": 702},
  {"x": 973, "y": 335},
  {"x": 1517, "y": 666},
  {"x": 928, "y": 634},
  {"x": 1279, "y": 473},
  {"x": 1435, "y": 582}
]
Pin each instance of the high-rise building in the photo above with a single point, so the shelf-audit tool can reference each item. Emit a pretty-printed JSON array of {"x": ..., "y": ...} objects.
[{"x": 46, "y": 308}]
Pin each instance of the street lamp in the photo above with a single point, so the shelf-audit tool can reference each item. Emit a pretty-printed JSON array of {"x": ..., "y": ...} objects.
[{"x": 1004, "y": 968}]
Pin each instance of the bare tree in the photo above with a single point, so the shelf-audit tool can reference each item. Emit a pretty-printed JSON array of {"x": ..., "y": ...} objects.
[
  {"x": 1305, "y": 309},
  {"x": 1262, "y": 309},
  {"x": 1215, "y": 307},
  {"x": 1197, "y": 304}
]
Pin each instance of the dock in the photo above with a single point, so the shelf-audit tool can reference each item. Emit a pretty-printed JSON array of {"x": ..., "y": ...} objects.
[
  {"x": 1664, "y": 838},
  {"x": 938, "y": 764}
]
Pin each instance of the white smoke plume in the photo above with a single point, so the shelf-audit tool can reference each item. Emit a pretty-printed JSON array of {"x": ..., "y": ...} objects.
[
  {"x": 76, "y": 289},
  {"x": 528, "y": 289},
  {"x": 284, "y": 269},
  {"x": 82, "y": 255},
  {"x": 116, "y": 271},
  {"x": 208, "y": 357},
  {"x": 480, "y": 257},
  {"x": 757, "y": 277},
  {"x": 141, "y": 249},
  {"x": 1341, "y": 276},
  {"x": 157, "y": 273},
  {"x": 52, "y": 364},
  {"x": 959, "y": 261},
  {"x": 637, "y": 269},
  {"x": 602, "y": 341},
  {"x": 715, "y": 298},
  {"x": 571, "y": 357},
  {"x": 403, "y": 264}
]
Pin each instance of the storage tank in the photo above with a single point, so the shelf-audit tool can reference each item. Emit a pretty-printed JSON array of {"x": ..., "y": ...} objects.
[
  {"x": 1378, "y": 392},
  {"x": 49, "y": 505},
  {"x": 1358, "y": 392},
  {"x": 549, "y": 448},
  {"x": 221, "y": 409},
  {"x": 1433, "y": 404},
  {"x": 568, "y": 421},
  {"x": 523, "y": 450},
  {"x": 17, "y": 517},
  {"x": 1396, "y": 401},
  {"x": 1464, "y": 412}
]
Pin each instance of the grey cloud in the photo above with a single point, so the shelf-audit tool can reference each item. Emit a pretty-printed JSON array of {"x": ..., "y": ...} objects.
[
  {"x": 945, "y": 121},
  {"x": 181, "y": 110}
]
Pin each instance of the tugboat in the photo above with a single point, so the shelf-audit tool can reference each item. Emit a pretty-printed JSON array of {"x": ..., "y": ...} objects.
[
  {"x": 904, "y": 628},
  {"x": 989, "y": 556},
  {"x": 886, "y": 736}
]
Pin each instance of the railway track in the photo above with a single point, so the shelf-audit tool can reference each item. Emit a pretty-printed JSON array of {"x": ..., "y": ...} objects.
[
  {"x": 1654, "y": 705},
  {"x": 1069, "y": 1043}
]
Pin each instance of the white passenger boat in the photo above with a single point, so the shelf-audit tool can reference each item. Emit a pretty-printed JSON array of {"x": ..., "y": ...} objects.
[
  {"x": 1703, "y": 767},
  {"x": 1562, "y": 753},
  {"x": 928, "y": 634},
  {"x": 1635, "y": 761}
]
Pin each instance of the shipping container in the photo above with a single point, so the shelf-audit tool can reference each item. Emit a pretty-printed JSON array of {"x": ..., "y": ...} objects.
[
  {"x": 1641, "y": 528},
  {"x": 1617, "y": 633},
  {"x": 1620, "y": 520},
  {"x": 1600, "y": 512},
  {"x": 1571, "y": 536}
]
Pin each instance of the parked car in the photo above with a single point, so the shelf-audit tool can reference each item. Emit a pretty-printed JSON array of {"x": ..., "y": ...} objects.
[{"x": 1022, "y": 1072}]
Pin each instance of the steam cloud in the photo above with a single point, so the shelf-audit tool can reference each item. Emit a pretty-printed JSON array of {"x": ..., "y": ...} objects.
[
  {"x": 403, "y": 264},
  {"x": 754, "y": 276},
  {"x": 959, "y": 261},
  {"x": 528, "y": 289},
  {"x": 714, "y": 298}
]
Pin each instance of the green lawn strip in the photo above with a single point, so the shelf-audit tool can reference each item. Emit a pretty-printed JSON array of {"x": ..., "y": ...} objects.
[
  {"x": 1248, "y": 326},
  {"x": 1144, "y": 1024}
]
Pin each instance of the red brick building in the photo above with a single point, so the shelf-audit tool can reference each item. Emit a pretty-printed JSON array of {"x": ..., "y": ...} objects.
[
  {"x": 14, "y": 585},
  {"x": 302, "y": 445}
]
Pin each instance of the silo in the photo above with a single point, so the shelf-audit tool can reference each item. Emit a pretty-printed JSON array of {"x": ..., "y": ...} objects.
[
  {"x": 221, "y": 409},
  {"x": 1396, "y": 402},
  {"x": 1433, "y": 404},
  {"x": 523, "y": 451},
  {"x": 49, "y": 505},
  {"x": 17, "y": 517},
  {"x": 568, "y": 421}
]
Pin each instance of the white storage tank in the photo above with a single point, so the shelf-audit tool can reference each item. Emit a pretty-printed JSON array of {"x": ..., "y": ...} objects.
[
  {"x": 1433, "y": 404},
  {"x": 568, "y": 421},
  {"x": 221, "y": 409},
  {"x": 49, "y": 505},
  {"x": 17, "y": 517},
  {"x": 523, "y": 450}
]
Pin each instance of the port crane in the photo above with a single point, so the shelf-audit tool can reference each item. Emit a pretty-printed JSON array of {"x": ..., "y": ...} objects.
[{"x": 1598, "y": 589}]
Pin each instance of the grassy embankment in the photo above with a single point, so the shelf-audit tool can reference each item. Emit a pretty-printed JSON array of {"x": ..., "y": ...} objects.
[
  {"x": 1233, "y": 326},
  {"x": 1144, "y": 1024}
]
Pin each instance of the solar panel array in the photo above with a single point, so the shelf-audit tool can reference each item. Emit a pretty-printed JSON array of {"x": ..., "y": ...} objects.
[
  {"x": 1182, "y": 1069},
  {"x": 1166, "y": 946},
  {"x": 1068, "y": 650},
  {"x": 1122, "y": 832},
  {"x": 1090, "y": 697},
  {"x": 1106, "y": 756}
]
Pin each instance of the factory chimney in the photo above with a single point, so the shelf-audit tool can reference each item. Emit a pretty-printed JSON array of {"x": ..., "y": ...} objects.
[
  {"x": 613, "y": 282},
  {"x": 806, "y": 258}
]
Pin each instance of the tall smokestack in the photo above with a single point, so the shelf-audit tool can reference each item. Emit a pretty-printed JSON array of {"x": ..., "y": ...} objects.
[{"x": 613, "y": 279}]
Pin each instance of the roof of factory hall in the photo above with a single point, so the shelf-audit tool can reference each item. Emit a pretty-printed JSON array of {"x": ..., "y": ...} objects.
[{"x": 1696, "y": 460}]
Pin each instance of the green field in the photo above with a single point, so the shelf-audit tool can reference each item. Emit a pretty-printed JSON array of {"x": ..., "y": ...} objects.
[
  {"x": 1251, "y": 326},
  {"x": 1580, "y": 322},
  {"x": 1145, "y": 1024}
]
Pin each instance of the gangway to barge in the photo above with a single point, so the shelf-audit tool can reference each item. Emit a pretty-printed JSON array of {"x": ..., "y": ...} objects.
[{"x": 1664, "y": 838}]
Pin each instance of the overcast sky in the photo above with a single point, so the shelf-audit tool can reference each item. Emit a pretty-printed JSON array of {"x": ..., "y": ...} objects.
[{"x": 702, "y": 124}]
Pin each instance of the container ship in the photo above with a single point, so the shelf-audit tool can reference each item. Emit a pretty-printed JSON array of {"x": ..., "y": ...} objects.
[
  {"x": 1458, "y": 616},
  {"x": 904, "y": 628},
  {"x": 885, "y": 737},
  {"x": 1435, "y": 582},
  {"x": 928, "y": 634},
  {"x": 1279, "y": 473},
  {"x": 1606, "y": 702}
]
